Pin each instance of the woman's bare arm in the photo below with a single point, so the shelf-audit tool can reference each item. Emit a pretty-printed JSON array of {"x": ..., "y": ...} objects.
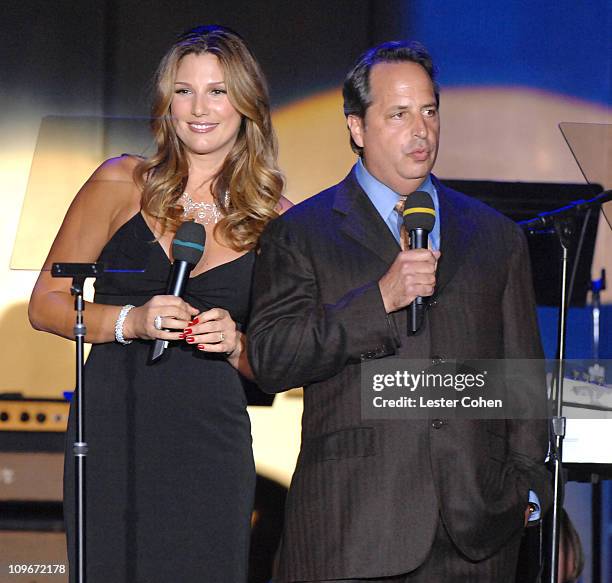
[{"x": 104, "y": 203}]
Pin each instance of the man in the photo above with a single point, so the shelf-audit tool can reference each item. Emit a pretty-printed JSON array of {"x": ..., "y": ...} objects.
[{"x": 395, "y": 500}]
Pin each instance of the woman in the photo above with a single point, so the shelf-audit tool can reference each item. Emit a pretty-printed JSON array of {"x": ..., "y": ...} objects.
[{"x": 170, "y": 472}]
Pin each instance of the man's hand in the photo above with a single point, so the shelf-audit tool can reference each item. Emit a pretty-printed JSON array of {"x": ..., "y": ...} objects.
[{"x": 412, "y": 274}]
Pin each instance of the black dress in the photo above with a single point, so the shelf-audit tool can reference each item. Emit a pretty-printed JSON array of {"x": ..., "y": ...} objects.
[{"x": 170, "y": 472}]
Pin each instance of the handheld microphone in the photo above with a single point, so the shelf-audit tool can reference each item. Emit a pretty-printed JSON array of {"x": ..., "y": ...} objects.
[
  {"x": 419, "y": 216},
  {"x": 187, "y": 250}
]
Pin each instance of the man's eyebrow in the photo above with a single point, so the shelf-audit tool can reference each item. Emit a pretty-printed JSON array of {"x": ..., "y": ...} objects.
[{"x": 406, "y": 107}]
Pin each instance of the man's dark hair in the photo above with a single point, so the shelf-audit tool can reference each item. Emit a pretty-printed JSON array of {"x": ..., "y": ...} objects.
[{"x": 356, "y": 90}]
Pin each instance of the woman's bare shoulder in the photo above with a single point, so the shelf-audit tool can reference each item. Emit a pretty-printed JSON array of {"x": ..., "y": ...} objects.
[
  {"x": 284, "y": 204},
  {"x": 119, "y": 169},
  {"x": 111, "y": 193}
]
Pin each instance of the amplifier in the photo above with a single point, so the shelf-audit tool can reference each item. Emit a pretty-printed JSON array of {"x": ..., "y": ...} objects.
[
  {"x": 32, "y": 435},
  {"x": 33, "y": 414}
]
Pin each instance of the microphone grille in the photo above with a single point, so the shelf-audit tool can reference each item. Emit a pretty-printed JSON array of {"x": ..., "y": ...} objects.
[
  {"x": 188, "y": 243},
  {"x": 419, "y": 211}
]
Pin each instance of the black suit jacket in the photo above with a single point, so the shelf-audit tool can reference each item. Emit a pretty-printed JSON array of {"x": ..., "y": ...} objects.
[{"x": 366, "y": 496}]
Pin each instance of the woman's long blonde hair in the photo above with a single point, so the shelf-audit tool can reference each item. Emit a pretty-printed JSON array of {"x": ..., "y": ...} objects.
[{"x": 249, "y": 174}]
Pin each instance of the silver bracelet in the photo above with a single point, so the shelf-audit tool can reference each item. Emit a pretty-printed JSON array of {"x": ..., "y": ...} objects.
[{"x": 119, "y": 325}]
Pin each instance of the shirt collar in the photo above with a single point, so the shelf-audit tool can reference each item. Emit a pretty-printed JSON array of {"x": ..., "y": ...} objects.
[
  {"x": 383, "y": 197},
  {"x": 384, "y": 200}
]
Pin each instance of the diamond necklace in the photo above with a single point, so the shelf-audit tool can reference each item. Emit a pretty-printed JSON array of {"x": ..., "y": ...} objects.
[{"x": 205, "y": 213}]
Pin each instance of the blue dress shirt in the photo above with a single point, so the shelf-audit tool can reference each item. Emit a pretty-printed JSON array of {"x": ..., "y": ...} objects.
[{"x": 384, "y": 200}]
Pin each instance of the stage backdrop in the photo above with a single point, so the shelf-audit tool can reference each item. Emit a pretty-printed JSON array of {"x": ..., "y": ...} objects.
[{"x": 510, "y": 72}]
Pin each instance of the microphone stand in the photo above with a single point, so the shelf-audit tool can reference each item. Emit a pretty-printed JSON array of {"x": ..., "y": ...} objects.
[
  {"x": 561, "y": 221},
  {"x": 79, "y": 272},
  {"x": 565, "y": 230},
  {"x": 544, "y": 220},
  {"x": 597, "y": 286}
]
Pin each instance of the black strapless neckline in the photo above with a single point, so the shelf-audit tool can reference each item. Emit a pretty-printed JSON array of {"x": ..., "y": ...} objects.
[
  {"x": 134, "y": 247},
  {"x": 163, "y": 252}
]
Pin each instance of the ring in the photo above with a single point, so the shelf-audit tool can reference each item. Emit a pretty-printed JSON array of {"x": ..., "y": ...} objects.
[
  {"x": 221, "y": 337},
  {"x": 157, "y": 323}
]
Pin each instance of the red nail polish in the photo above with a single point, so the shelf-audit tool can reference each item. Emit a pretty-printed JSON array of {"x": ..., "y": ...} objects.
[
  {"x": 187, "y": 330},
  {"x": 201, "y": 347},
  {"x": 181, "y": 335},
  {"x": 190, "y": 339},
  {"x": 195, "y": 321}
]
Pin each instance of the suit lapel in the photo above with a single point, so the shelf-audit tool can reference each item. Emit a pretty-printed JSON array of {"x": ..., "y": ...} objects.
[
  {"x": 361, "y": 221},
  {"x": 456, "y": 232}
]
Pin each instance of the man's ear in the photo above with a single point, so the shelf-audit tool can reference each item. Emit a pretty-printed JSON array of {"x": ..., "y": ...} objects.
[{"x": 356, "y": 127}]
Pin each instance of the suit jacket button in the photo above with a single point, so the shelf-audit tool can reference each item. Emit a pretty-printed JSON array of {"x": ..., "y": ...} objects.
[{"x": 437, "y": 423}]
